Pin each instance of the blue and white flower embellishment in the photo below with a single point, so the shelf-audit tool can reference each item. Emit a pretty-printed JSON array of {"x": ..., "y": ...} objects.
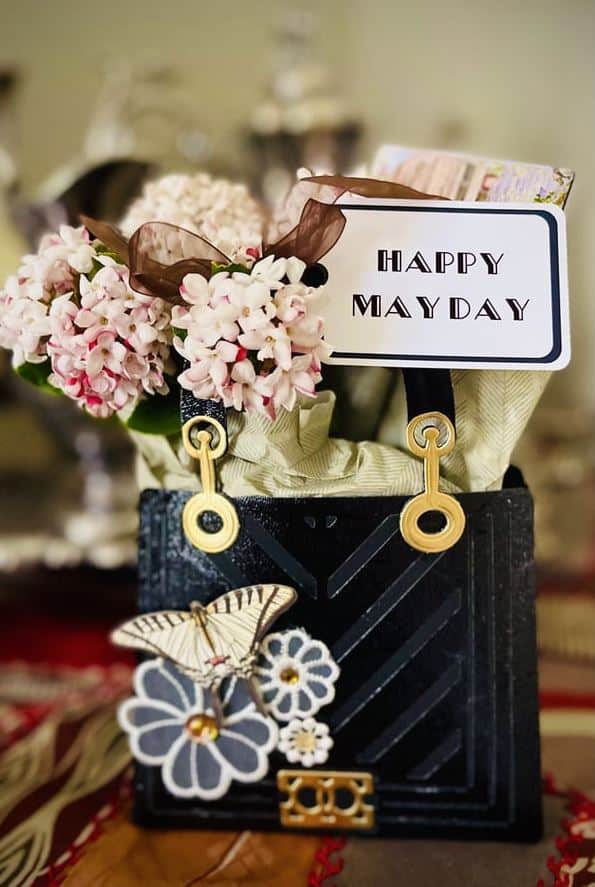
[
  {"x": 201, "y": 745},
  {"x": 172, "y": 724},
  {"x": 296, "y": 674}
]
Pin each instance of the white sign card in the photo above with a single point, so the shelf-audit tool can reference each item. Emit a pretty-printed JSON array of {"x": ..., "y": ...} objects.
[{"x": 444, "y": 283}]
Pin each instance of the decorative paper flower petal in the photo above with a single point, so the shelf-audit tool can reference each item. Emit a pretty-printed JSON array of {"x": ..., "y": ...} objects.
[
  {"x": 311, "y": 653},
  {"x": 265, "y": 675},
  {"x": 235, "y": 699},
  {"x": 241, "y": 756},
  {"x": 274, "y": 645},
  {"x": 211, "y": 780},
  {"x": 269, "y": 693},
  {"x": 284, "y": 706},
  {"x": 247, "y": 761},
  {"x": 152, "y": 729},
  {"x": 305, "y": 703},
  {"x": 295, "y": 642},
  {"x": 179, "y": 769},
  {"x": 255, "y": 730},
  {"x": 318, "y": 689},
  {"x": 158, "y": 679},
  {"x": 135, "y": 713},
  {"x": 325, "y": 670},
  {"x": 267, "y": 662},
  {"x": 152, "y": 744}
]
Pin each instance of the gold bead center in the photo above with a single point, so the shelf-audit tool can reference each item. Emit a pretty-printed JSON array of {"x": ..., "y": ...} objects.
[
  {"x": 290, "y": 675},
  {"x": 305, "y": 742},
  {"x": 202, "y": 728}
]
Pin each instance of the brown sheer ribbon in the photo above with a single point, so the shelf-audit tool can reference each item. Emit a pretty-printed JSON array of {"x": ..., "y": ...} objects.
[{"x": 160, "y": 255}]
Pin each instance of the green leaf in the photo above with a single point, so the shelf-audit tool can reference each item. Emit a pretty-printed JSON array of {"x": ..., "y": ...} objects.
[
  {"x": 37, "y": 374},
  {"x": 102, "y": 250},
  {"x": 180, "y": 333},
  {"x": 217, "y": 267},
  {"x": 158, "y": 414}
]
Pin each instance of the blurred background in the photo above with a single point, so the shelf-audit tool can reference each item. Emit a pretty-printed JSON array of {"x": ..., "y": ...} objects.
[{"x": 96, "y": 98}]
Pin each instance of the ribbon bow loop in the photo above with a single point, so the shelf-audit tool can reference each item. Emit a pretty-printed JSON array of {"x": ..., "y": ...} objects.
[{"x": 159, "y": 254}]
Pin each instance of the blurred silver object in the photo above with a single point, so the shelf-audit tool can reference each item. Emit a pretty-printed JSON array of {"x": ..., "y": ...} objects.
[
  {"x": 78, "y": 502},
  {"x": 101, "y": 191},
  {"x": 68, "y": 489},
  {"x": 144, "y": 120},
  {"x": 8, "y": 131},
  {"x": 147, "y": 112},
  {"x": 301, "y": 121}
]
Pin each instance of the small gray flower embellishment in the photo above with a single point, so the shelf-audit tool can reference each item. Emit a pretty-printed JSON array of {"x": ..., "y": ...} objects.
[
  {"x": 171, "y": 723},
  {"x": 296, "y": 674}
]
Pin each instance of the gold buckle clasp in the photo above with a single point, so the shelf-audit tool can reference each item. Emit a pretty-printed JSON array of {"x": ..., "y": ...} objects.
[{"x": 312, "y": 799}]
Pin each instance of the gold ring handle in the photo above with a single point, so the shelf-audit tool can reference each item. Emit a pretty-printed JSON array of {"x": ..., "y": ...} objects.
[
  {"x": 441, "y": 540},
  {"x": 196, "y": 422},
  {"x": 430, "y": 436},
  {"x": 198, "y": 443},
  {"x": 210, "y": 542}
]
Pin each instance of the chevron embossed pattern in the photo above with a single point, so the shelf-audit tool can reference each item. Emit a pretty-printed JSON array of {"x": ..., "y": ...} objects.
[
  {"x": 436, "y": 696},
  {"x": 363, "y": 554},
  {"x": 390, "y": 669}
]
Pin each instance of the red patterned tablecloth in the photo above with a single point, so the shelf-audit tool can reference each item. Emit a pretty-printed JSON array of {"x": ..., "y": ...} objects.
[{"x": 65, "y": 785}]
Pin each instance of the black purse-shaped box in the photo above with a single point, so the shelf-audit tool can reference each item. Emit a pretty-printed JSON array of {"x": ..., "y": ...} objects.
[{"x": 435, "y": 720}]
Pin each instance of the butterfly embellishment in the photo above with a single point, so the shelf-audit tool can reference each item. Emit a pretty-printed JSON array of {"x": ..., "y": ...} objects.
[{"x": 213, "y": 641}]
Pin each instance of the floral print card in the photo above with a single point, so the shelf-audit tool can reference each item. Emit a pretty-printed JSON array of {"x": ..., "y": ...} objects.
[{"x": 467, "y": 177}]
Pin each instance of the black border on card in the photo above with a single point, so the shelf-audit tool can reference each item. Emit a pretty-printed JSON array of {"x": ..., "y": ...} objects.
[{"x": 552, "y": 224}]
